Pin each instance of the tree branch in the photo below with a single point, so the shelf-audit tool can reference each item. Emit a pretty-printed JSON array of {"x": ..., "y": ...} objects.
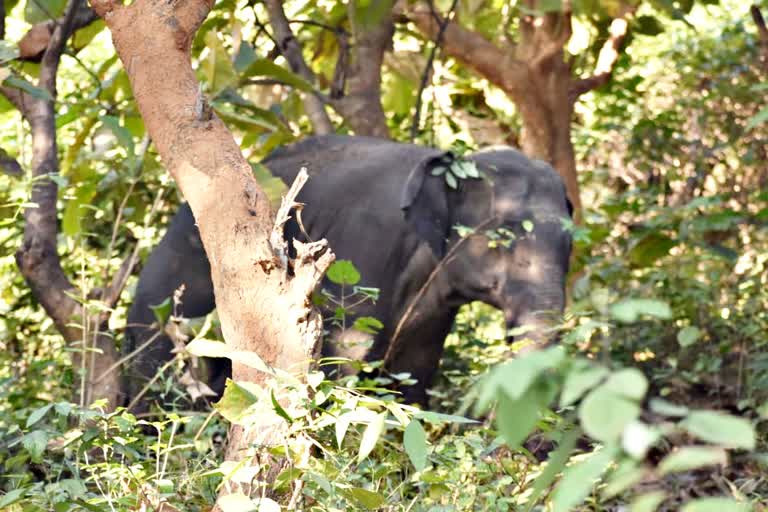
[
  {"x": 36, "y": 40},
  {"x": 762, "y": 34},
  {"x": 291, "y": 49},
  {"x": 428, "y": 67},
  {"x": 606, "y": 60}
]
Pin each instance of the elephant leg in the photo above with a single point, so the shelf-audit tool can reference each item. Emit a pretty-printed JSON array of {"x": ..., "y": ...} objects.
[{"x": 179, "y": 260}]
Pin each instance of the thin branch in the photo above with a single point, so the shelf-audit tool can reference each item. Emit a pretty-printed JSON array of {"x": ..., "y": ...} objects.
[
  {"x": 606, "y": 61},
  {"x": 289, "y": 46},
  {"x": 430, "y": 61}
]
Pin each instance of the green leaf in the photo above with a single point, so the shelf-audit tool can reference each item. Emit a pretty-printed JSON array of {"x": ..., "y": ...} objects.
[
  {"x": 371, "y": 435},
  {"x": 647, "y": 502},
  {"x": 687, "y": 336},
  {"x": 368, "y": 324},
  {"x": 758, "y": 119},
  {"x": 162, "y": 311},
  {"x": 437, "y": 418},
  {"x": 648, "y": 25},
  {"x": 38, "y": 11},
  {"x": 76, "y": 208},
  {"x": 279, "y": 408},
  {"x": 365, "y": 498},
  {"x": 236, "y": 502},
  {"x": 516, "y": 418},
  {"x": 235, "y": 402},
  {"x": 19, "y": 83},
  {"x": 438, "y": 171},
  {"x": 665, "y": 408},
  {"x": 245, "y": 57},
  {"x": 38, "y": 414},
  {"x": 343, "y": 272},
  {"x": 12, "y": 497},
  {"x": 604, "y": 414},
  {"x": 450, "y": 179},
  {"x": 415, "y": 443},
  {"x": 715, "y": 505},
  {"x": 8, "y": 51},
  {"x": 692, "y": 457},
  {"x": 629, "y": 382},
  {"x": 265, "y": 67},
  {"x": 722, "y": 429},
  {"x": 579, "y": 479},
  {"x": 650, "y": 248},
  {"x": 627, "y": 474},
  {"x": 582, "y": 377},
  {"x": 470, "y": 168},
  {"x": 555, "y": 464},
  {"x": 123, "y": 135},
  {"x": 202, "y": 347},
  {"x": 341, "y": 426},
  {"x": 527, "y": 226},
  {"x": 637, "y": 438},
  {"x": 630, "y": 310},
  {"x": 35, "y": 443},
  {"x": 218, "y": 69}
]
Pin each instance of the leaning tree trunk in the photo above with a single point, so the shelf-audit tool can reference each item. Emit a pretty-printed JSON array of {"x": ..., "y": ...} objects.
[{"x": 262, "y": 307}]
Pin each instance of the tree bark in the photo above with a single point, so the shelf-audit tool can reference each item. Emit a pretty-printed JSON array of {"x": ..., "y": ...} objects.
[
  {"x": 37, "y": 258},
  {"x": 262, "y": 308},
  {"x": 535, "y": 74}
]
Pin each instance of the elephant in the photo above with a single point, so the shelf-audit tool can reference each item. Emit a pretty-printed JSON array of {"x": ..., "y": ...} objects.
[{"x": 430, "y": 230}]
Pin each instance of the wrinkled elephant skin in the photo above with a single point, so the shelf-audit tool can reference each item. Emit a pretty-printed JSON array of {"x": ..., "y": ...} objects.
[{"x": 385, "y": 207}]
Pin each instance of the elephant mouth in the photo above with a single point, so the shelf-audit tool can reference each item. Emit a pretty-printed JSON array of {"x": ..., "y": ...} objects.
[{"x": 533, "y": 329}]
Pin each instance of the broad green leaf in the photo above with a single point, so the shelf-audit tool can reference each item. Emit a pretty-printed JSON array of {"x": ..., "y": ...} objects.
[
  {"x": 582, "y": 377},
  {"x": 527, "y": 226},
  {"x": 758, "y": 119},
  {"x": 38, "y": 11},
  {"x": 19, "y": 83},
  {"x": 629, "y": 382},
  {"x": 365, "y": 498},
  {"x": 715, "y": 505},
  {"x": 266, "y": 505},
  {"x": 8, "y": 51},
  {"x": 38, "y": 414},
  {"x": 648, "y": 25},
  {"x": 687, "y": 336},
  {"x": 660, "y": 406},
  {"x": 236, "y": 502},
  {"x": 555, "y": 464},
  {"x": 450, "y": 179},
  {"x": 218, "y": 68},
  {"x": 343, "y": 272},
  {"x": 75, "y": 209},
  {"x": 692, "y": 457},
  {"x": 628, "y": 473},
  {"x": 647, "y": 502},
  {"x": 85, "y": 35},
  {"x": 579, "y": 479},
  {"x": 123, "y": 135},
  {"x": 630, "y": 310},
  {"x": 202, "y": 347},
  {"x": 604, "y": 414},
  {"x": 245, "y": 56},
  {"x": 647, "y": 250},
  {"x": 162, "y": 311},
  {"x": 371, "y": 436},
  {"x": 279, "y": 409},
  {"x": 368, "y": 324},
  {"x": 35, "y": 443},
  {"x": 235, "y": 402},
  {"x": 722, "y": 429},
  {"x": 12, "y": 497},
  {"x": 516, "y": 418},
  {"x": 265, "y": 67},
  {"x": 438, "y": 418},
  {"x": 415, "y": 443},
  {"x": 341, "y": 426}
]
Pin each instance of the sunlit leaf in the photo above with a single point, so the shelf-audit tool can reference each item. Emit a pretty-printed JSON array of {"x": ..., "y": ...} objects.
[
  {"x": 415, "y": 443},
  {"x": 38, "y": 414},
  {"x": 692, "y": 457},
  {"x": 235, "y": 402},
  {"x": 371, "y": 436},
  {"x": 604, "y": 414},
  {"x": 582, "y": 377},
  {"x": 722, "y": 429},
  {"x": 631, "y": 310},
  {"x": 715, "y": 505},
  {"x": 579, "y": 479},
  {"x": 343, "y": 272},
  {"x": 647, "y": 502}
]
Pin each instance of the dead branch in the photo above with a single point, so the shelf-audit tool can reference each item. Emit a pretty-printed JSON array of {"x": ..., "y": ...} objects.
[
  {"x": 36, "y": 40},
  {"x": 762, "y": 34}
]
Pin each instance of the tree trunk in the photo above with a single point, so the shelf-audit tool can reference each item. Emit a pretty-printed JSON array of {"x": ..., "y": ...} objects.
[
  {"x": 95, "y": 356},
  {"x": 262, "y": 308}
]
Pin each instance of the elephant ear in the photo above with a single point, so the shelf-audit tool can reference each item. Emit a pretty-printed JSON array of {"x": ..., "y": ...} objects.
[{"x": 424, "y": 202}]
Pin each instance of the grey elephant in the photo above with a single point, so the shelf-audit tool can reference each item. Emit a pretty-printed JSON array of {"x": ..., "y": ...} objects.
[{"x": 418, "y": 224}]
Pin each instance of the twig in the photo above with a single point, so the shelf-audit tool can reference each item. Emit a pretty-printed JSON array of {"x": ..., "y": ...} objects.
[
  {"x": 762, "y": 33},
  {"x": 277, "y": 238},
  {"x": 443, "y": 24}
]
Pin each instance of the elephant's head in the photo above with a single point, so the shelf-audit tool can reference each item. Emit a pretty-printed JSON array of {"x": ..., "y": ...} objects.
[{"x": 502, "y": 238}]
